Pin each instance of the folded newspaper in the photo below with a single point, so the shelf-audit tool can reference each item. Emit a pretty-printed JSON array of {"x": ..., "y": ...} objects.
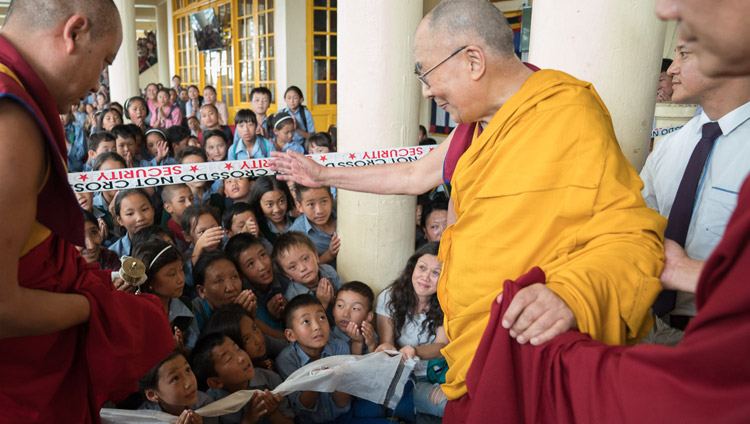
[{"x": 352, "y": 374}]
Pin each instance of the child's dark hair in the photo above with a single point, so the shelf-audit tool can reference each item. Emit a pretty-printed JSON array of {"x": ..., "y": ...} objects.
[
  {"x": 150, "y": 381},
  {"x": 129, "y": 101},
  {"x": 152, "y": 232},
  {"x": 136, "y": 131},
  {"x": 209, "y": 87},
  {"x": 296, "y": 90},
  {"x": 175, "y": 134},
  {"x": 226, "y": 320},
  {"x": 245, "y": 115},
  {"x": 435, "y": 205},
  {"x": 206, "y": 105},
  {"x": 288, "y": 240},
  {"x": 215, "y": 133},
  {"x": 262, "y": 186},
  {"x": 427, "y": 142},
  {"x": 282, "y": 119},
  {"x": 261, "y": 90},
  {"x": 299, "y": 301},
  {"x": 321, "y": 139},
  {"x": 189, "y": 151},
  {"x": 204, "y": 261},
  {"x": 155, "y": 254},
  {"x": 104, "y": 112},
  {"x": 231, "y": 211},
  {"x": 106, "y": 156},
  {"x": 192, "y": 213},
  {"x": 96, "y": 138},
  {"x": 404, "y": 300},
  {"x": 89, "y": 217},
  {"x": 122, "y": 131},
  {"x": 202, "y": 360},
  {"x": 299, "y": 189},
  {"x": 238, "y": 244},
  {"x": 129, "y": 192},
  {"x": 361, "y": 289},
  {"x": 163, "y": 90}
]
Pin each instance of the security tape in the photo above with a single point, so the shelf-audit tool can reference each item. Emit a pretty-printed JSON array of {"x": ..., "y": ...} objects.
[
  {"x": 656, "y": 132},
  {"x": 153, "y": 176}
]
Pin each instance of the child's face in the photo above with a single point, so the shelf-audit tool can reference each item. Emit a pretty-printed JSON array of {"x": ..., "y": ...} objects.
[
  {"x": 216, "y": 148},
  {"x": 106, "y": 146},
  {"x": 209, "y": 96},
  {"x": 137, "y": 111},
  {"x": 109, "y": 121},
  {"x": 194, "y": 159},
  {"x": 176, "y": 384},
  {"x": 168, "y": 281},
  {"x": 435, "y": 224},
  {"x": 292, "y": 100},
  {"x": 351, "y": 307},
  {"x": 93, "y": 241},
  {"x": 231, "y": 363},
  {"x": 260, "y": 103},
  {"x": 86, "y": 201},
  {"x": 125, "y": 146},
  {"x": 239, "y": 221},
  {"x": 238, "y": 188},
  {"x": 192, "y": 92},
  {"x": 246, "y": 130},
  {"x": 151, "y": 140},
  {"x": 109, "y": 165},
  {"x": 256, "y": 265},
  {"x": 273, "y": 204},
  {"x": 162, "y": 98},
  {"x": 193, "y": 141},
  {"x": 209, "y": 118},
  {"x": 193, "y": 123},
  {"x": 285, "y": 134},
  {"x": 172, "y": 96},
  {"x": 426, "y": 274},
  {"x": 183, "y": 96},
  {"x": 316, "y": 204},
  {"x": 255, "y": 344},
  {"x": 310, "y": 327},
  {"x": 316, "y": 150},
  {"x": 151, "y": 90},
  {"x": 136, "y": 213},
  {"x": 301, "y": 265},
  {"x": 221, "y": 284},
  {"x": 202, "y": 224},
  {"x": 181, "y": 145}
]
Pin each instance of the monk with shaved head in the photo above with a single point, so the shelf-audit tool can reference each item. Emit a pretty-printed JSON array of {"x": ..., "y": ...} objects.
[
  {"x": 538, "y": 180},
  {"x": 69, "y": 341}
]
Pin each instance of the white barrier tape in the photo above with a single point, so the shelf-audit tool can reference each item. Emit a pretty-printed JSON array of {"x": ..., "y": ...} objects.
[
  {"x": 656, "y": 132},
  {"x": 152, "y": 176}
]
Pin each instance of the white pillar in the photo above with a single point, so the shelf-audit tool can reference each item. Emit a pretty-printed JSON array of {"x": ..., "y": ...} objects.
[
  {"x": 162, "y": 44},
  {"x": 170, "y": 40},
  {"x": 617, "y": 46},
  {"x": 377, "y": 108},
  {"x": 290, "y": 48},
  {"x": 123, "y": 74}
]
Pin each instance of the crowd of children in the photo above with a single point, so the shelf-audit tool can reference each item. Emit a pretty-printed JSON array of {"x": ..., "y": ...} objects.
[{"x": 246, "y": 268}]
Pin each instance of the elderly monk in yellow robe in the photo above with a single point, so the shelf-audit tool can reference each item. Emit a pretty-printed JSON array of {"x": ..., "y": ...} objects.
[{"x": 540, "y": 181}]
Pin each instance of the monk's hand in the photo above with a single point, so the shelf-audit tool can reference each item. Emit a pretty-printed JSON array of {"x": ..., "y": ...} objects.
[
  {"x": 680, "y": 272},
  {"x": 294, "y": 166},
  {"x": 537, "y": 314}
]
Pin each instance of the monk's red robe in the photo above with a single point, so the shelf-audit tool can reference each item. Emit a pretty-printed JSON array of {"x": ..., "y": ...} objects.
[
  {"x": 66, "y": 376},
  {"x": 573, "y": 379}
]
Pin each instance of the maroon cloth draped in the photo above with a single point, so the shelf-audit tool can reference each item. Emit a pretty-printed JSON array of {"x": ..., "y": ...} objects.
[{"x": 573, "y": 379}]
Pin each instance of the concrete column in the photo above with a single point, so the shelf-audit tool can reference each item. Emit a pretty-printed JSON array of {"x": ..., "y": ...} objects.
[
  {"x": 162, "y": 44},
  {"x": 617, "y": 46},
  {"x": 377, "y": 108},
  {"x": 171, "y": 42},
  {"x": 290, "y": 17},
  {"x": 123, "y": 74}
]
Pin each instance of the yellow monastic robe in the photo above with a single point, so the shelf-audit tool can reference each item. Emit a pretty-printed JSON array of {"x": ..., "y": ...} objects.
[{"x": 547, "y": 185}]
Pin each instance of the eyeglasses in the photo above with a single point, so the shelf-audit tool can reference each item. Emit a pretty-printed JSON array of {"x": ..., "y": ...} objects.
[{"x": 422, "y": 77}]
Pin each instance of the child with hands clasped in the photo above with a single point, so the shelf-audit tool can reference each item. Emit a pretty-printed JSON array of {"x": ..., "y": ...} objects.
[
  {"x": 308, "y": 331},
  {"x": 297, "y": 258},
  {"x": 317, "y": 221},
  {"x": 302, "y": 117},
  {"x": 270, "y": 199},
  {"x": 171, "y": 387},
  {"x": 352, "y": 314},
  {"x": 222, "y": 366},
  {"x": 248, "y": 144}
]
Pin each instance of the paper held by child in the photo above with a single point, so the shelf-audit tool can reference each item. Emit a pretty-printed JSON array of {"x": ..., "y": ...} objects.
[{"x": 342, "y": 373}]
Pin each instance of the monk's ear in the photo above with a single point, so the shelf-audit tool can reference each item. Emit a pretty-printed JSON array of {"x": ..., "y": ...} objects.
[
  {"x": 76, "y": 27},
  {"x": 477, "y": 62}
]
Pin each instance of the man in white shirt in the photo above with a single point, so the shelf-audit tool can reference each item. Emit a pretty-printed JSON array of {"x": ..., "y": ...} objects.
[{"x": 726, "y": 101}]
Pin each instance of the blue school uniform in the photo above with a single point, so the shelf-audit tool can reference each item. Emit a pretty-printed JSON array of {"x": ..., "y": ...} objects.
[
  {"x": 178, "y": 309},
  {"x": 238, "y": 150},
  {"x": 309, "y": 124},
  {"x": 320, "y": 238},
  {"x": 169, "y": 160},
  {"x": 122, "y": 246},
  {"x": 324, "y": 271},
  {"x": 293, "y": 358},
  {"x": 75, "y": 135}
]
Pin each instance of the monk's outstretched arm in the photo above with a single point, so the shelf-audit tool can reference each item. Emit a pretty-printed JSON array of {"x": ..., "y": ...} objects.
[
  {"x": 401, "y": 178},
  {"x": 25, "y": 312}
]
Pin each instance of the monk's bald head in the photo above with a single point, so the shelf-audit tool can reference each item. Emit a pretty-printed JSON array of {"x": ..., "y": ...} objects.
[
  {"x": 41, "y": 15},
  {"x": 468, "y": 21}
]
